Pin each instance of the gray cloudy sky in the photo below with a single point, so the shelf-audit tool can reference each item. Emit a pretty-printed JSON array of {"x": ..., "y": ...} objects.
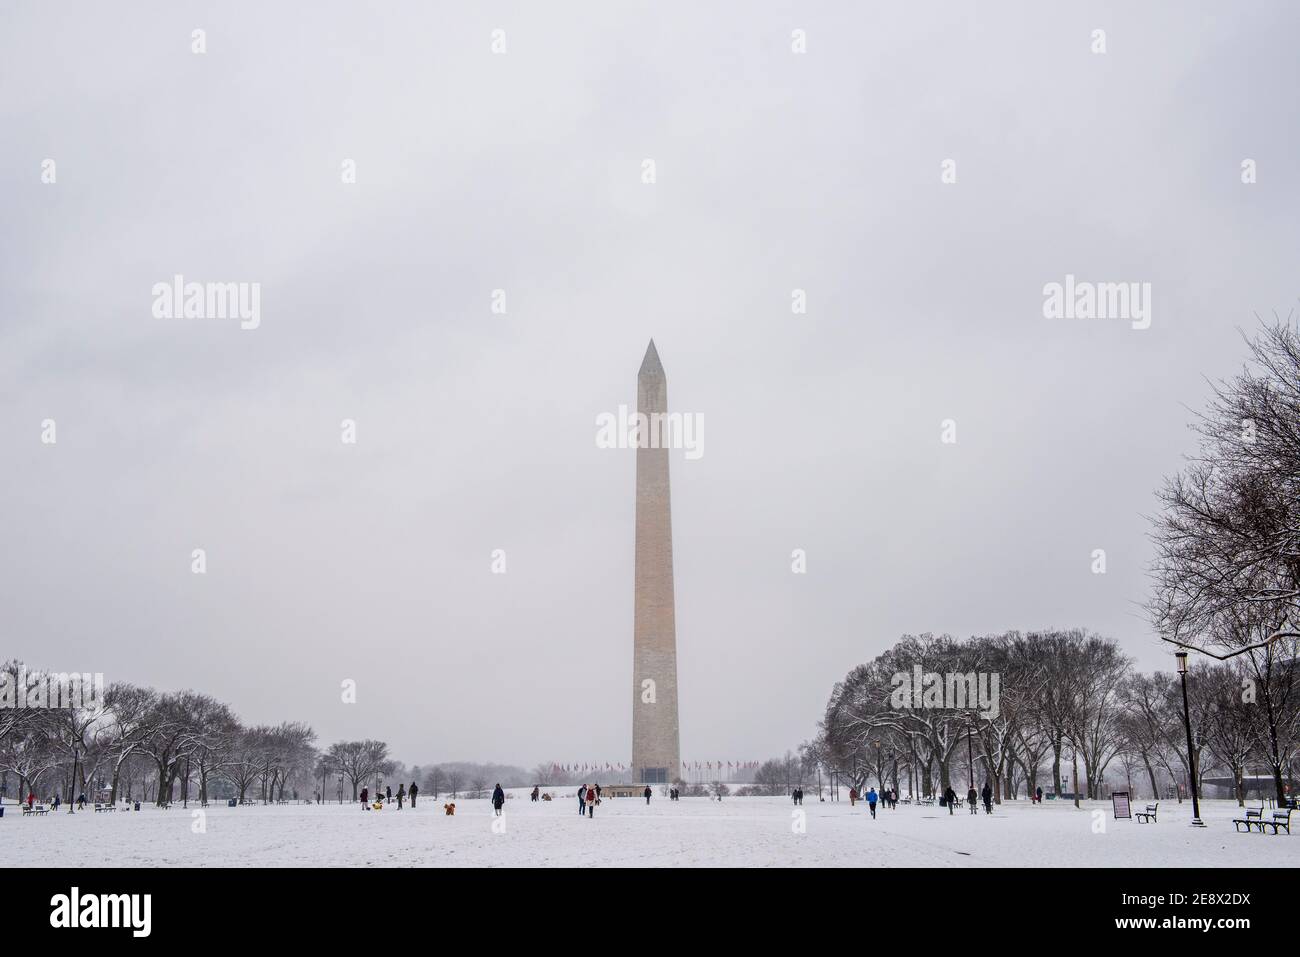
[{"x": 476, "y": 431}]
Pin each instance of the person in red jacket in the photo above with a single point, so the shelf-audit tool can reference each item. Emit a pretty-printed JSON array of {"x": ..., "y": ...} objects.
[
  {"x": 31, "y": 799},
  {"x": 591, "y": 802},
  {"x": 853, "y": 797}
]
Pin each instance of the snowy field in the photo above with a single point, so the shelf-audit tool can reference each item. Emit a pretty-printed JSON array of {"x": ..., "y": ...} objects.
[{"x": 747, "y": 832}]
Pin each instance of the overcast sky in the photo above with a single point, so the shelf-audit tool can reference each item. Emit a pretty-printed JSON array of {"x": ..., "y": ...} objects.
[{"x": 476, "y": 431}]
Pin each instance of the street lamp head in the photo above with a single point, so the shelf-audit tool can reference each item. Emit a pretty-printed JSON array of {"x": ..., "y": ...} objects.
[{"x": 1182, "y": 661}]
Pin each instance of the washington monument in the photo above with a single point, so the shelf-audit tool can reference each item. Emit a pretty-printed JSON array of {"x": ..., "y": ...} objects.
[{"x": 656, "y": 748}]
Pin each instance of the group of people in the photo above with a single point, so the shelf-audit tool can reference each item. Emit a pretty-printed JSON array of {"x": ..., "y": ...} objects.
[
  {"x": 387, "y": 796},
  {"x": 588, "y": 798},
  {"x": 57, "y": 801},
  {"x": 797, "y": 795},
  {"x": 888, "y": 797},
  {"x": 972, "y": 799},
  {"x": 54, "y": 802}
]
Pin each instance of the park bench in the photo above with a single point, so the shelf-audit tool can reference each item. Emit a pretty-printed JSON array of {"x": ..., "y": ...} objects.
[
  {"x": 1145, "y": 817},
  {"x": 35, "y": 809},
  {"x": 1281, "y": 819},
  {"x": 1254, "y": 817},
  {"x": 105, "y": 807}
]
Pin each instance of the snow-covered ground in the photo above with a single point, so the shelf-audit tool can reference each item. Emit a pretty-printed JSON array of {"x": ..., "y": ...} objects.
[{"x": 625, "y": 832}]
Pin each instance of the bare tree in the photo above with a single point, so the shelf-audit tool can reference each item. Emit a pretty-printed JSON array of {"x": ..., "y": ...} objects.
[
  {"x": 453, "y": 781},
  {"x": 1228, "y": 721},
  {"x": 131, "y": 713},
  {"x": 435, "y": 780},
  {"x": 478, "y": 785},
  {"x": 1229, "y": 534}
]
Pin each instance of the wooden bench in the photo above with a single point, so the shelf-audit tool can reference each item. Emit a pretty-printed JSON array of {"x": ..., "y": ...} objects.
[
  {"x": 35, "y": 809},
  {"x": 1254, "y": 817},
  {"x": 105, "y": 807},
  {"x": 1149, "y": 815}
]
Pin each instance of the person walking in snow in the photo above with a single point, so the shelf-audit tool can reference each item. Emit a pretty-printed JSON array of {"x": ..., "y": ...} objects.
[
  {"x": 647, "y": 794},
  {"x": 498, "y": 798},
  {"x": 582, "y": 799},
  {"x": 388, "y": 794},
  {"x": 853, "y": 797},
  {"x": 950, "y": 798},
  {"x": 973, "y": 800},
  {"x": 401, "y": 795},
  {"x": 591, "y": 802},
  {"x": 1038, "y": 795},
  {"x": 987, "y": 794},
  {"x": 872, "y": 797},
  {"x": 413, "y": 792},
  {"x": 365, "y": 797}
]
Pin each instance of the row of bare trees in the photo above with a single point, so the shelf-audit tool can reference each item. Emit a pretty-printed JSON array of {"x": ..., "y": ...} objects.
[
  {"x": 163, "y": 746},
  {"x": 1070, "y": 711}
]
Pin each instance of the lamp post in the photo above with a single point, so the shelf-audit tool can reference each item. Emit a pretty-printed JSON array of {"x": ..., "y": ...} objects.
[
  {"x": 1191, "y": 751},
  {"x": 970, "y": 760},
  {"x": 72, "y": 797}
]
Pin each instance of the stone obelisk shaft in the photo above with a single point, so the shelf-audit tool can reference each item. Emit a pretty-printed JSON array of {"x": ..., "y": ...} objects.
[{"x": 656, "y": 753}]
